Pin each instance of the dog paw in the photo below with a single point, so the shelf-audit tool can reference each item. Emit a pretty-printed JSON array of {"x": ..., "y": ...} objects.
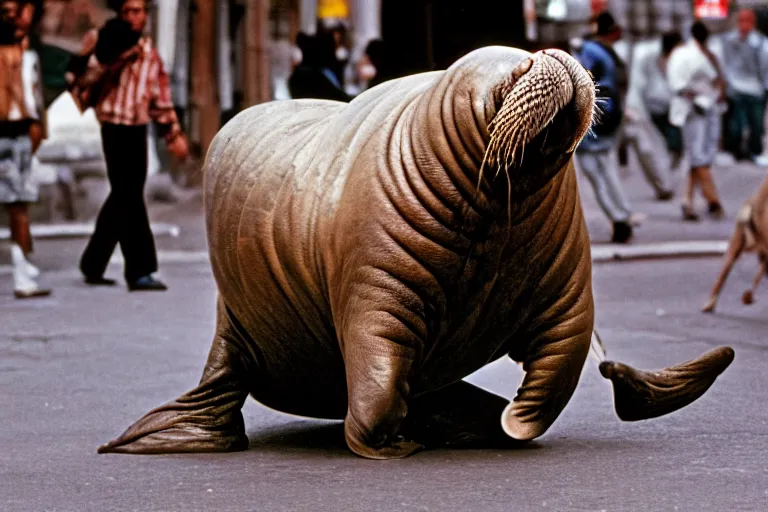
[
  {"x": 748, "y": 298},
  {"x": 709, "y": 307}
]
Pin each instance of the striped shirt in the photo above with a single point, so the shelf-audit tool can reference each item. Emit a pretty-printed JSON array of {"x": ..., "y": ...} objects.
[{"x": 134, "y": 92}]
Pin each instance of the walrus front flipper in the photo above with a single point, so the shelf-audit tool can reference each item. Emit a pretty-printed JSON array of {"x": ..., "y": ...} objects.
[
  {"x": 207, "y": 419},
  {"x": 640, "y": 395},
  {"x": 377, "y": 370},
  {"x": 553, "y": 357}
]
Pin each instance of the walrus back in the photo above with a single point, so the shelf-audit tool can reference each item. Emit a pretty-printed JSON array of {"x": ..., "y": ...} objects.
[{"x": 273, "y": 179}]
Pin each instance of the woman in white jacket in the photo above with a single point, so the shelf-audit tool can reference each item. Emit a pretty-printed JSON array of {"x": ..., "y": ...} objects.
[{"x": 697, "y": 106}]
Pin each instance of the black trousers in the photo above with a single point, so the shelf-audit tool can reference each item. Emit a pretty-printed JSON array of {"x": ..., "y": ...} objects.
[{"x": 123, "y": 218}]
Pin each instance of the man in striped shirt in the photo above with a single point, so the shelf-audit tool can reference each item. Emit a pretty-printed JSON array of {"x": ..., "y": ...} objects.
[{"x": 120, "y": 74}]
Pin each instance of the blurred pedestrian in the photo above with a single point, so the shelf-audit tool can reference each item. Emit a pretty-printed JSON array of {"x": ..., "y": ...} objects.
[
  {"x": 745, "y": 66},
  {"x": 121, "y": 75},
  {"x": 313, "y": 76},
  {"x": 597, "y": 154},
  {"x": 20, "y": 135},
  {"x": 377, "y": 65},
  {"x": 657, "y": 94},
  {"x": 646, "y": 127},
  {"x": 340, "y": 52},
  {"x": 698, "y": 102}
]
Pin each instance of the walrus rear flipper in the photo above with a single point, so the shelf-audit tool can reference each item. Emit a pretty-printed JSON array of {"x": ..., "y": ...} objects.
[
  {"x": 640, "y": 395},
  {"x": 206, "y": 419}
]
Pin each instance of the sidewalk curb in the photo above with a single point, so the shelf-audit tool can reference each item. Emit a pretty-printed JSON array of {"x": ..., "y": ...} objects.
[
  {"x": 606, "y": 253},
  {"x": 601, "y": 253},
  {"x": 84, "y": 230}
]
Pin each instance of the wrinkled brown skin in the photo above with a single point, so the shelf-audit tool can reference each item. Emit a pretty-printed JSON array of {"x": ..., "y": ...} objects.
[
  {"x": 365, "y": 267},
  {"x": 749, "y": 235}
]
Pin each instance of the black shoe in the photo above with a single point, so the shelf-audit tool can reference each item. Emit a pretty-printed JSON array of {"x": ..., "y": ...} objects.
[
  {"x": 99, "y": 281},
  {"x": 622, "y": 232},
  {"x": 689, "y": 214},
  {"x": 147, "y": 284},
  {"x": 665, "y": 195},
  {"x": 716, "y": 211}
]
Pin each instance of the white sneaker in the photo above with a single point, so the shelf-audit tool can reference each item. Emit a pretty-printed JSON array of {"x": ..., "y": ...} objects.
[
  {"x": 32, "y": 270},
  {"x": 24, "y": 286},
  {"x": 761, "y": 160}
]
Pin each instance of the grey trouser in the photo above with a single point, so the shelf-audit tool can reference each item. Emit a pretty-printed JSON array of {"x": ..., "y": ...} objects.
[
  {"x": 602, "y": 170},
  {"x": 651, "y": 150}
]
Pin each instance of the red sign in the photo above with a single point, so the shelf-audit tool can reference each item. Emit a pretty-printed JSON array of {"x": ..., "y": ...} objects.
[
  {"x": 599, "y": 6},
  {"x": 710, "y": 8}
]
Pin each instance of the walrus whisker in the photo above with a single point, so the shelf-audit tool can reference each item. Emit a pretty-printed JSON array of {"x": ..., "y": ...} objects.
[{"x": 597, "y": 348}]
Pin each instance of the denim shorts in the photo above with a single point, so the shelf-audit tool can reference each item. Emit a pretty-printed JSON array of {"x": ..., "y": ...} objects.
[{"x": 16, "y": 182}]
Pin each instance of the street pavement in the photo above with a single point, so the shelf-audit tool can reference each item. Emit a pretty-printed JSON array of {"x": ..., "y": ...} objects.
[{"x": 78, "y": 367}]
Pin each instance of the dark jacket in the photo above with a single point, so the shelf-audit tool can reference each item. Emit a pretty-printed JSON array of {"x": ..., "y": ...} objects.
[{"x": 309, "y": 82}]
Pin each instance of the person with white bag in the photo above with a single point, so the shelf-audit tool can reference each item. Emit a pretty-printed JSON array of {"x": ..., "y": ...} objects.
[{"x": 697, "y": 106}]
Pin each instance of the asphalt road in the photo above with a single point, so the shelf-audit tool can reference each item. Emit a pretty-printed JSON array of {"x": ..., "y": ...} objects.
[{"x": 78, "y": 368}]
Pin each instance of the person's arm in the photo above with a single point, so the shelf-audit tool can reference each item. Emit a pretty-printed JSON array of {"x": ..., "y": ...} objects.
[
  {"x": 162, "y": 112},
  {"x": 763, "y": 63},
  {"x": 727, "y": 49},
  {"x": 635, "y": 102},
  {"x": 677, "y": 74},
  {"x": 597, "y": 64},
  {"x": 38, "y": 132},
  {"x": 79, "y": 63}
]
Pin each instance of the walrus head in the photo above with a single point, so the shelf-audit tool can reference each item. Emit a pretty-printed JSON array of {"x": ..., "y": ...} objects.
[
  {"x": 548, "y": 97},
  {"x": 531, "y": 111}
]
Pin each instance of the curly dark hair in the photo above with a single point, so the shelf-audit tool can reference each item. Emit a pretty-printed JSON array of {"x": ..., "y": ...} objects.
[{"x": 700, "y": 32}]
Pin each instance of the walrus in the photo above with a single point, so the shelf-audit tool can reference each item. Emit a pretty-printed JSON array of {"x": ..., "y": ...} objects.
[
  {"x": 749, "y": 235},
  {"x": 369, "y": 256}
]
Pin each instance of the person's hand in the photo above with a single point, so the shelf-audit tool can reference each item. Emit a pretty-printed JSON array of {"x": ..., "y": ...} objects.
[
  {"x": 179, "y": 148},
  {"x": 688, "y": 94}
]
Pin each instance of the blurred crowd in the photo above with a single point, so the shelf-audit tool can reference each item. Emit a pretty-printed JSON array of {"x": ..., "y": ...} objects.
[
  {"x": 696, "y": 102},
  {"x": 683, "y": 104},
  {"x": 119, "y": 74},
  {"x": 321, "y": 66}
]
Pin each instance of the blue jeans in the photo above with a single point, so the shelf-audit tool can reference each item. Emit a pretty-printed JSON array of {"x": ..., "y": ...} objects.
[{"x": 746, "y": 112}]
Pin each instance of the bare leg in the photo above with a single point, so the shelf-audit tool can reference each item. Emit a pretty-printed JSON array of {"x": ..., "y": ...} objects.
[
  {"x": 735, "y": 248},
  {"x": 749, "y": 295},
  {"x": 208, "y": 418},
  {"x": 708, "y": 187},
  {"x": 19, "y": 224},
  {"x": 690, "y": 186}
]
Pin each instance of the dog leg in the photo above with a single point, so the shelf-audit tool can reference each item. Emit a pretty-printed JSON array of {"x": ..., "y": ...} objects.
[
  {"x": 735, "y": 248},
  {"x": 749, "y": 295}
]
